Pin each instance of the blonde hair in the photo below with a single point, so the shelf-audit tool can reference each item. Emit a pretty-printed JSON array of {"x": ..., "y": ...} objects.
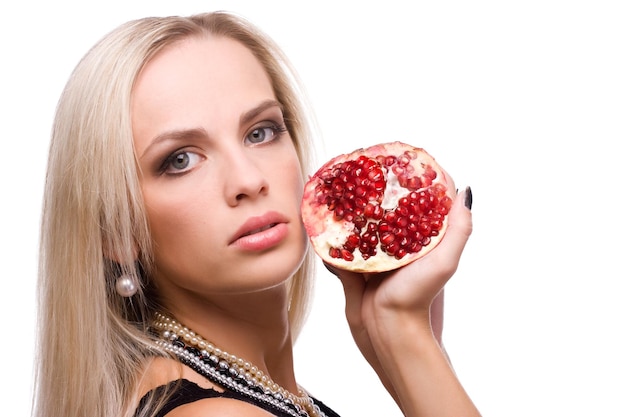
[{"x": 91, "y": 341}]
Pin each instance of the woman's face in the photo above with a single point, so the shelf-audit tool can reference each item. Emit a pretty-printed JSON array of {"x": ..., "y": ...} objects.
[{"x": 220, "y": 176}]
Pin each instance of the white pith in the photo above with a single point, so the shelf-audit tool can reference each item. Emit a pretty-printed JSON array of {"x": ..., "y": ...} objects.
[
  {"x": 326, "y": 232},
  {"x": 391, "y": 196}
]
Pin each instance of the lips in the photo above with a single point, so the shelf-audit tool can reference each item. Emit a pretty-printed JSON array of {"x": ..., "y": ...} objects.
[
  {"x": 259, "y": 230},
  {"x": 258, "y": 224}
]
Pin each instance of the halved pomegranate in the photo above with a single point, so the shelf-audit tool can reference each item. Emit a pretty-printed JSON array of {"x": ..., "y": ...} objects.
[{"x": 376, "y": 209}]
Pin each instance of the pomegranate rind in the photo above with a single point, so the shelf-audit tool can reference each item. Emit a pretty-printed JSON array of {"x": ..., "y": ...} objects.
[{"x": 326, "y": 232}]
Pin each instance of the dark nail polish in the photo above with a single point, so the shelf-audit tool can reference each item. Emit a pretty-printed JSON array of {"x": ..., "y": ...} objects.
[{"x": 468, "y": 197}]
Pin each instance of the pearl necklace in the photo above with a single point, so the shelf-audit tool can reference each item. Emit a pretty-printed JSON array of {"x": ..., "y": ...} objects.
[{"x": 228, "y": 370}]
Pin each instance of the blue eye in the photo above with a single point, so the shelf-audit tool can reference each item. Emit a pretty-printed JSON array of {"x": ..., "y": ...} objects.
[
  {"x": 180, "y": 162},
  {"x": 265, "y": 133},
  {"x": 259, "y": 135}
]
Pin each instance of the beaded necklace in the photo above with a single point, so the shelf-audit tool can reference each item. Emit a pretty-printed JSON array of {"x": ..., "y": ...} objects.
[{"x": 228, "y": 370}]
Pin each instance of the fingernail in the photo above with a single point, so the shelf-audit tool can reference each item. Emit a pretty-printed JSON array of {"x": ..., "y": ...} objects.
[{"x": 468, "y": 197}]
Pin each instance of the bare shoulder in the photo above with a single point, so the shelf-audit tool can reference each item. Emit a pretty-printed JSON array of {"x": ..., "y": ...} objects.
[
  {"x": 160, "y": 371},
  {"x": 219, "y": 407}
]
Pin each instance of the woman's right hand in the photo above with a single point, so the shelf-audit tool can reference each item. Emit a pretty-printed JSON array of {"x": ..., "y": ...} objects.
[{"x": 390, "y": 319}]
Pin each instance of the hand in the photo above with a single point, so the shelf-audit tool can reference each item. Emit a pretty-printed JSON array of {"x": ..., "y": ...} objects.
[{"x": 377, "y": 303}]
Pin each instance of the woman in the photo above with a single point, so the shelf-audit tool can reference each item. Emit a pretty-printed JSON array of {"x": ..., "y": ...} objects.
[{"x": 172, "y": 203}]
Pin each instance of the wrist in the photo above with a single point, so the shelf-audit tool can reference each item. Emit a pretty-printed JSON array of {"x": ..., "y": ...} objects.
[
  {"x": 403, "y": 333},
  {"x": 418, "y": 368}
]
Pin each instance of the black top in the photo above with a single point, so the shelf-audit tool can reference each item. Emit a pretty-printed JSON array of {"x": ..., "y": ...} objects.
[{"x": 187, "y": 392}]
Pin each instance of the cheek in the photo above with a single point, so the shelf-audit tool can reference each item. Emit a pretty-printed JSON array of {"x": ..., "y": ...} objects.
[
  {"x": 162, "y": 224},
  {"x": 294, "y": 181},
  {"x": 183, "y": 240},
  {"x": 174, "y": 220},
  {"x": 297, "y": 183}
]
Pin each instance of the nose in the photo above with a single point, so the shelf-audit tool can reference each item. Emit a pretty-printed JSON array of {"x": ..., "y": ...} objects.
[{"x": 245, "y": 178}]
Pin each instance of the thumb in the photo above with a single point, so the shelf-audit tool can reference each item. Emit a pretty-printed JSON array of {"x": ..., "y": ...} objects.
[{"x": 449, "y": 251}]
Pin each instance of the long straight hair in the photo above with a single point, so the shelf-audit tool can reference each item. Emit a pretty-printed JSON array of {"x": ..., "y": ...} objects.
[{"x": 92, "y": 342}]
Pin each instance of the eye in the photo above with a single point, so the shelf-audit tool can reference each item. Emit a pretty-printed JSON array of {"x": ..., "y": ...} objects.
[
  {"x": 263, "y": 134},
  {"x": 180, "y": 162}
]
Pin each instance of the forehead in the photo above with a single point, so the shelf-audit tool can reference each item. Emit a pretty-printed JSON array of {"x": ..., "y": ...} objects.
[
  {"x": 194, "y": 59},
  {"x": 197, "y": 80}
]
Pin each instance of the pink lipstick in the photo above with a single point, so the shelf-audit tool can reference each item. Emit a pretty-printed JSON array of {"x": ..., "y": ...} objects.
[{"x": 261, "y": 232}]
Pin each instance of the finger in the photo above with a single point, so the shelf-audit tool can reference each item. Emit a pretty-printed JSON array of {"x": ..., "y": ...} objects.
[
  {"x": 448, "y": 252},
  {"x": 353, "y": 287},
  {"x": 449, "y": 180}
]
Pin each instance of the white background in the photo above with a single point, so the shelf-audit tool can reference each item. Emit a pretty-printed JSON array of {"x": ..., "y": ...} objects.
[{"x": 524, "y": 101}]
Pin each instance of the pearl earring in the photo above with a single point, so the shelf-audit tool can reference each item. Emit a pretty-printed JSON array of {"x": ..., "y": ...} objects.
[{"x": 126, "y": 286}]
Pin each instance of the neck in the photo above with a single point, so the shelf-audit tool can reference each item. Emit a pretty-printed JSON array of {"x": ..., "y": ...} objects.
[{"x": 253, "y": 327}]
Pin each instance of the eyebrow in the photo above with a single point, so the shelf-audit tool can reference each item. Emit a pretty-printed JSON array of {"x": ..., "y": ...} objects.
[
  {"x": 175, "y": 135},
  {"x": 179, "y": 134},
  {"x": 251, "y": 114}
]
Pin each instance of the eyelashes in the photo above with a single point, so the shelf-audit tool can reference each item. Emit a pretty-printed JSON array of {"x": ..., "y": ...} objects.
[
  {"x": 260, "y": 134},
  {"x": 185, "y": 159},
  {"x": 180, "y": 162}
]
